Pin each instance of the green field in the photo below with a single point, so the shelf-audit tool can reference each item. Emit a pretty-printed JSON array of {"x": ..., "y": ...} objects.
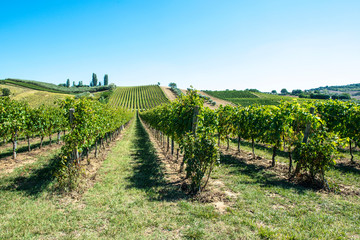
[
  {"x": 251, "y": 101},
  {"x": 49, "y": 87},
  {"x": 231, "y": 94},
  {"x": 247, "y": 98},
  {"x": 33, "y": 97},
  {"x": 141, "y": 97}
]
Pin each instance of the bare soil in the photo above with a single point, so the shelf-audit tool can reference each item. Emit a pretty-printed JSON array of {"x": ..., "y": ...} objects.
[
  {"x": 8, "y": 164},
  {"x": 23, "y": 142},
  {"x": 171, "y": 96},
  {"x": 217, "y": 100},
  {"x": 168, "y": 93}
]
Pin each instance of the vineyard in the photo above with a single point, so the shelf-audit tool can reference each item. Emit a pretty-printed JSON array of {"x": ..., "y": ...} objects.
[
  {"x": 185, "y": 166},
  {"x": 311, "y": 138},
  {"x": 140, "y": 98},
  {"x": 231, "y": 94},
  {"x": 247, "y": 98},
  {"x": 49, "y": 87},
  {"x": 180, "y": 120},
  {"x": 88, "y": 123}
]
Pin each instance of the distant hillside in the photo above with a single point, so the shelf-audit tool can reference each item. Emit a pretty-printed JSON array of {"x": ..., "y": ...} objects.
[
  {"x": 247, "y": 98},
  {"x": 231, "y": 94},
  {"x": 33, "y": 97},
  {"x": 49, "y": 87},
  {"x": 342, "y": 88},
  {"x": 352, "y": 89},
  {"x": 139, "y": 97}
]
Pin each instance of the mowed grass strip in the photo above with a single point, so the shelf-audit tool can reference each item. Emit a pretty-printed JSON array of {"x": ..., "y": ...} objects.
[{"x": 132, "y": 200}]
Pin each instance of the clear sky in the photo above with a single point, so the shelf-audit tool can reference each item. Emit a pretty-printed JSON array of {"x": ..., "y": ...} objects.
[{"x": 210, "y": 44}]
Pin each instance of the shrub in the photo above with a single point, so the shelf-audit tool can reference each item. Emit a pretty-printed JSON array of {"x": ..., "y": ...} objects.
[
  {"x": 303, "y": 95},
  {"x": 84, "y": 95},
  {"x": 319, "y": 96},
  {"x": 345, "y": 96},
  {"x": 5, "y": 92}
]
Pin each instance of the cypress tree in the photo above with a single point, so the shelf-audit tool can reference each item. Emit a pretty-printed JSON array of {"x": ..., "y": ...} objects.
[
  {"x": 106, "y": 80},
  {"x": 94, "y": 80}
]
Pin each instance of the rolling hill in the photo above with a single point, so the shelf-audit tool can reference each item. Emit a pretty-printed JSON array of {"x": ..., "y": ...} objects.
[
  {"x": 352, "y": 89},
  {"x": 247, "y": 98},
  {"x": 35, "y": 98},
  {"x": 49, "y": 87},
  {"x": 140, "y": 97}
]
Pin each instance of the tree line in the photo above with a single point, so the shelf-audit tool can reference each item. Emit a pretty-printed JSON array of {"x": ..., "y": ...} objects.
[{"x": 93, "y": 83}]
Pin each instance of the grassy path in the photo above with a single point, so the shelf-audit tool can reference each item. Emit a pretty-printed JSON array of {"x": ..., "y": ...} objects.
[{"x": 132, "y": 200}]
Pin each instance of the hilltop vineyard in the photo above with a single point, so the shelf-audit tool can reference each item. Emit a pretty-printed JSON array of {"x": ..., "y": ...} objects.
[{"x": 140, "y": 98}]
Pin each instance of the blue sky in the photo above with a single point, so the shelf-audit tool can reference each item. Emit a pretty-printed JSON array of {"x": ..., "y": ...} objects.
[{"x": 210, "y": 44}]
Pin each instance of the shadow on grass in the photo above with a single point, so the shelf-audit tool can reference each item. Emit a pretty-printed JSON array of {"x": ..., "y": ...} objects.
[
  {"x": 356, "y": 151},
  {"x": 348, "y": 168},
  {"x": 24, "y": 148},
  {"x": 259, "y": 174},
  {"x": 31, "y": 181},
  {"x": 261, "y": 147},
  {"x": 148, "y": 172}
]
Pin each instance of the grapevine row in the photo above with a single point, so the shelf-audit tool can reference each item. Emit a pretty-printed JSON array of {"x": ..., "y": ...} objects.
[
  {"x": 90, "y": 124},
  {"x": 310, "y": 132},
  {"x": 141, "y": 98},
  {"x": 191, "y": 125},
  {"x": 18, "y": 120}
]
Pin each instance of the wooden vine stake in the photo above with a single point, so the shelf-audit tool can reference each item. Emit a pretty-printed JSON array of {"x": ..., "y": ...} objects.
[
  {"x": 194, "y": 127},
  {"x": 168, "y": 143},
  {"x": 14, "y": 140},
  {"x": 308, "y": 127},
  {"x": 195, "y": 119},
  {"x": 71, "y": 116}
]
